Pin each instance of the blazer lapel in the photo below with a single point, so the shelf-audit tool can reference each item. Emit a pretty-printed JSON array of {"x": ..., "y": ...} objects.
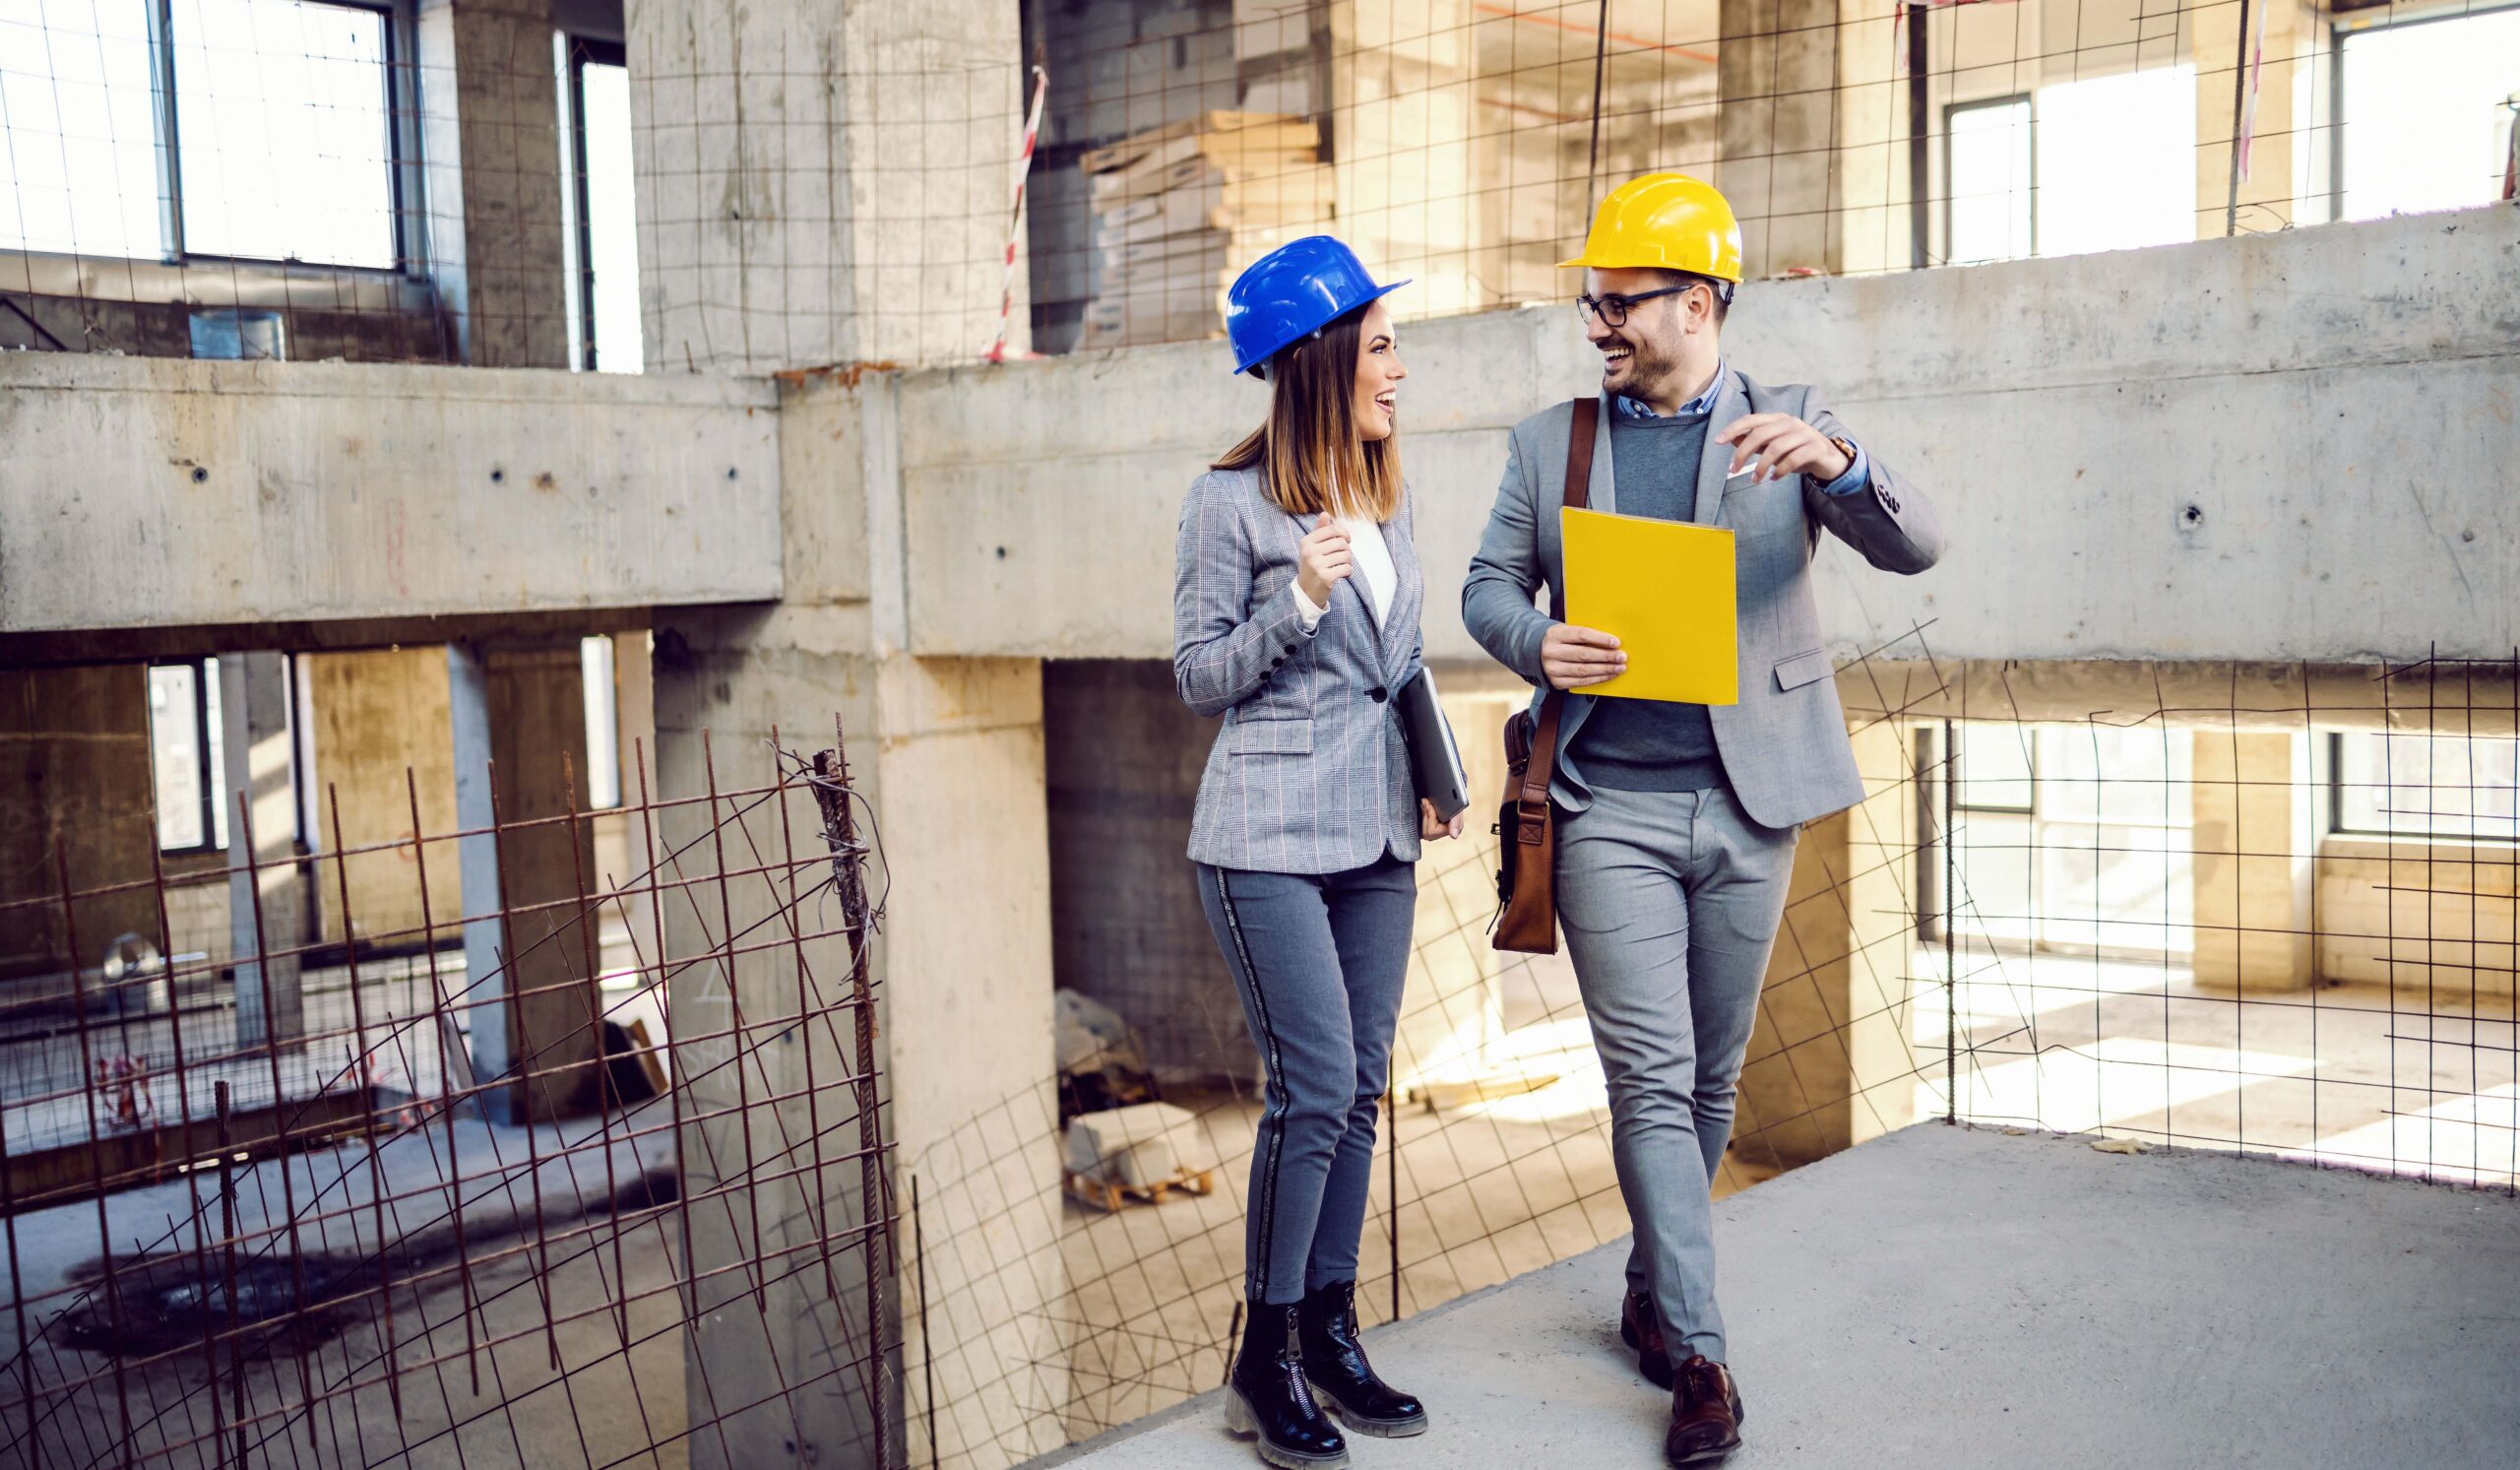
[
  {"x": 1716, "y": 459},
  {"x": 1604, "y": 482},
  {"x": 1408, "y": 594}
]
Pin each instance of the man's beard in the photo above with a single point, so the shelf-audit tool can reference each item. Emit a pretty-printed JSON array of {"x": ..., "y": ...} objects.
[{"x": 1645, "y": 370}]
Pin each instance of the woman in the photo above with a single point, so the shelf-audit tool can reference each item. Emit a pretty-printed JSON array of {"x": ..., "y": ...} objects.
[{"x": 1295, "y": 616}]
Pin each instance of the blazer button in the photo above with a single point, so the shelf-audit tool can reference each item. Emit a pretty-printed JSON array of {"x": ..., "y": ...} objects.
[
  {"x": 1291, "y": 648},
  {"x": 1375, "y": 695}
]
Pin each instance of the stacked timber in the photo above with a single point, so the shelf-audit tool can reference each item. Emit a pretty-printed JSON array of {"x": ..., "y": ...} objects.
[{"x": 1179, "y": 212}]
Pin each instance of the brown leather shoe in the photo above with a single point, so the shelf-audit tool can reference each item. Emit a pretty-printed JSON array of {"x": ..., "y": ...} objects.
[
  {"x": 1706, "y": 1414},
  {"x": 1640, "y": 1326}
]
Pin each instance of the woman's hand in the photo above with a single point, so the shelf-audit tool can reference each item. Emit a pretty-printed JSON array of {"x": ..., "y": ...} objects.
[
  {"x": 1432, "y": 827},
  {"x": 1323, "y": 560}
]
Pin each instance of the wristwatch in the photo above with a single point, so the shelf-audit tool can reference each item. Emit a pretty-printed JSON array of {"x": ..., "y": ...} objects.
[{"x": 1844, "y": 447}]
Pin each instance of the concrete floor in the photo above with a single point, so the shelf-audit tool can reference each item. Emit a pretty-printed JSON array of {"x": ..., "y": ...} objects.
[
  {"x": 616, "y": 1404},
  {"x": 1494, "y": 1189},
  {"x": 1949, "y": 1298}
]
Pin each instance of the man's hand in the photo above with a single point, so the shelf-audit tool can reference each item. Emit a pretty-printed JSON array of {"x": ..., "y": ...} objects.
[
  {"x": 1431, "y": 827},
  {"x": 1574, "y": 657},
  {"x": 1783, "y": 445},
  {"x": 1323, "y": 560}
]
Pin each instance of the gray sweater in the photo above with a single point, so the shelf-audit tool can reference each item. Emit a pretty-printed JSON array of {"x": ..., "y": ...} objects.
[{"x": 1651, "y": 745}]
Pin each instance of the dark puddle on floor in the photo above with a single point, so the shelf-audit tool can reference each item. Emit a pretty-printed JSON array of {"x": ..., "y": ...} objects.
[{"x": 166, "y": 1301}]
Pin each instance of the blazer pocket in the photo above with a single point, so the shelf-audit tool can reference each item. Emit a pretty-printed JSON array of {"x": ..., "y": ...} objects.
[
  {"x": 1803, "y": 668},
  {"x": 1269, "y": 737}
]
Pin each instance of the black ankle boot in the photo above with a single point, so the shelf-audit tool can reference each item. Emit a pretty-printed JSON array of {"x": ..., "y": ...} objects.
[
  {"x": 1266, "y": 1396},
  {"x": 1334, "y": 1361}
]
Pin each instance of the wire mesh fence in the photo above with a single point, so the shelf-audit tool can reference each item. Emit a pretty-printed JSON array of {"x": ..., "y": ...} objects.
[
  {"x": 2266, "y": 910},
  {"x": 432, "y": 1194},
  {"x": 2121, "y": 904},
  {"x": 384, "y": 182}
]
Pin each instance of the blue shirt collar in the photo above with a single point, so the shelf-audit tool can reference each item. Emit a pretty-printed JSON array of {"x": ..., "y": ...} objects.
[{"x": 1696, "y": 408}]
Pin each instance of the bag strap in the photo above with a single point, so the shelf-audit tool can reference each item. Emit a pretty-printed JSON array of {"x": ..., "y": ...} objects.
[{"x": 1531, "y": 804}]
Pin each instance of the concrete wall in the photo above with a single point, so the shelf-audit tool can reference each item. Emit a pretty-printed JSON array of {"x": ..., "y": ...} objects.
[
  {"x": 377, "y": 714},
  {"x": 74, "y": 763},
  {"x": 141, "y": 493},
  {"x": 1125, "y": 757},
  {"x": 2435, "y": 921},
  {"x": 2299, "y": 454}
]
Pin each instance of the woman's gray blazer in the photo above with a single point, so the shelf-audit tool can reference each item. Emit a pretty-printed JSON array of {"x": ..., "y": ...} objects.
[{"x": 1310, "y": 773}]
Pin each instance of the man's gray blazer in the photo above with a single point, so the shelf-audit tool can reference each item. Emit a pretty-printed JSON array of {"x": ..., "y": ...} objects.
[
  {"x": 1310, "y": 773},
  {"x": 1784, "y": 745}
]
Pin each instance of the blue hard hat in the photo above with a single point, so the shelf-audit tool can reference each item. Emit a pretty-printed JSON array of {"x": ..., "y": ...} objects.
[{"x": 1291, "y": 293}]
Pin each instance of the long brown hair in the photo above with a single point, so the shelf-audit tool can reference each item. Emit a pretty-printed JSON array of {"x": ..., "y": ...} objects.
[{"x": 1309, "y": 443}]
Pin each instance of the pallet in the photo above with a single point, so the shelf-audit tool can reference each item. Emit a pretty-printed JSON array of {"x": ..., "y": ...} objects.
[{"x": 1110, "y": 1196}]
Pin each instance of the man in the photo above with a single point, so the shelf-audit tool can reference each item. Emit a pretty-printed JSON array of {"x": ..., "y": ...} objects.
[{"x": 1676, "y": 822}]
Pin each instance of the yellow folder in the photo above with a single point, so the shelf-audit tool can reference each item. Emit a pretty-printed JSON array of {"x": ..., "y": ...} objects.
[{"x": 1664, "y": 590}]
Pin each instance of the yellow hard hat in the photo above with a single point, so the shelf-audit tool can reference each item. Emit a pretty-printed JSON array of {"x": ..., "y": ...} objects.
[{"x": 1664, "y": 220}]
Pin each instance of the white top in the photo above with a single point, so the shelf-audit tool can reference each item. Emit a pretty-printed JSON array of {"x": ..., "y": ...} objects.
[{"x": 1372, "y": 557}]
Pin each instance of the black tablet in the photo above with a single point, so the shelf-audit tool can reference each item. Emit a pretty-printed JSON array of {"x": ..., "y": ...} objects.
[{"x": 1433, "y": 757}]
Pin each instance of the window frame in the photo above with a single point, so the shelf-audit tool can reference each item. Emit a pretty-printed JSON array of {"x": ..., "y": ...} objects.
[
  {"x": 2342, "y": 27},
  {"x": 2028, "y": 99},
  {"x": 581, "y": 52},
  {"x": 2029, "y": 806},
  {"x": 2338, "y": 826},
  {"x": 403, "y": 162},
  {"x": 205, "y": 667}
]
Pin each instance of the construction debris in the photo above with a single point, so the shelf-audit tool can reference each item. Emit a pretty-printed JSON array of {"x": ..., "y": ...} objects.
[
  {"x": 1180, "y": 209},
  {"x": 1143, "y": 1152},
  {"x": 1101, "y": 1062}
]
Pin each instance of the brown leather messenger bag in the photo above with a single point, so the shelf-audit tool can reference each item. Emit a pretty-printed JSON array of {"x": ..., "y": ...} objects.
[{"x": 1527, "y": 870}]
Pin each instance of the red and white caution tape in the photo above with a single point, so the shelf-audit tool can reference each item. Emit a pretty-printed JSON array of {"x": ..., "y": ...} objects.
[
  {"x": 1015, "y": 222},
  {"x": 2248, "y": 100}
]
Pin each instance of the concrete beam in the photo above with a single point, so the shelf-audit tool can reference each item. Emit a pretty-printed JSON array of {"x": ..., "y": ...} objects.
[
  {"x": 2276, "y": 448},
  {"x": 146, "y": 492},
  {"x": 2272, "y": 448}
]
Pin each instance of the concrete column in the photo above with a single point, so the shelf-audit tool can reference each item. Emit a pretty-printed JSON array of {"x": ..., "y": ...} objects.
[
  {"x": 489, "y": 123},
  {"x": 253, "y": 708},
  {"x": 2256, "y": 842},
  {"x": 1776, "y": 69},
  {"x": 514, "y": 714},
  {"x": 949, "y": 753},
  {"x": 824, "y": 181},
  {"x": 1401, "y": 125},
  {"x": 1832, "y": 1062}
]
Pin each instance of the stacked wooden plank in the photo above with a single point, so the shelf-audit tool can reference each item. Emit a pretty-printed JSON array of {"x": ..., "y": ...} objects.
[{"x": 1178, "y": 211}]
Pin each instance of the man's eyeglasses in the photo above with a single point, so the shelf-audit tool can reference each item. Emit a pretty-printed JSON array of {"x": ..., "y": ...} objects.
[{"x": 1613, "y": 309}]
